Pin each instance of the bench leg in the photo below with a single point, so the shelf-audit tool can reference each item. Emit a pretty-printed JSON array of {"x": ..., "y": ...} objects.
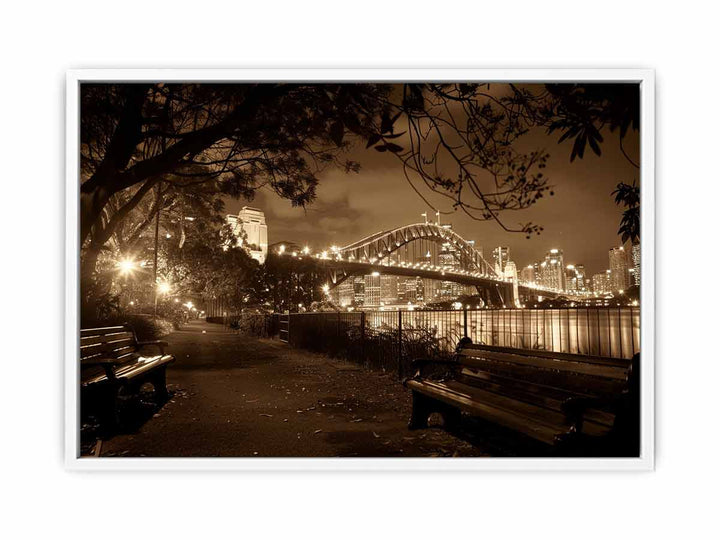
[
  {"x": 451, "y": 417},
  {"x": 159, "y": 383},
  {"x": 109, "y": 408},
  {"x": 422, "y": 408}
]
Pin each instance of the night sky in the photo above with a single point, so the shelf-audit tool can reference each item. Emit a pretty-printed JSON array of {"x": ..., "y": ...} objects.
[{"x": 581, "y": 218}]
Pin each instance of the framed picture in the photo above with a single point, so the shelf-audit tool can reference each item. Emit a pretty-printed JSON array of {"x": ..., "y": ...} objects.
[{"x": 302, "y": 269}]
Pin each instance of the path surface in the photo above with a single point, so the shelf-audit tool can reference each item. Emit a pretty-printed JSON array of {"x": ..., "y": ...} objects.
[{"x": 237, "y": 397}]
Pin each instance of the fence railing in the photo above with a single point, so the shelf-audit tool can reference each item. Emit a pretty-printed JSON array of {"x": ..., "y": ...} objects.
[
  {"x": 385, "y": 339},
  {"x": 378, "y": 336}
]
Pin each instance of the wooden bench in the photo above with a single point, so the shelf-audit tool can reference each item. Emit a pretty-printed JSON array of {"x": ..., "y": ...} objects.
[
  {"x": 572, "y": 404},
  {"x": 112, "y": 367}
]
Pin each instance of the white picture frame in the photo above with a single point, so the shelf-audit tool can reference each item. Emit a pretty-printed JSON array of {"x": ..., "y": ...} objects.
[{"x": 645, "y": 78}]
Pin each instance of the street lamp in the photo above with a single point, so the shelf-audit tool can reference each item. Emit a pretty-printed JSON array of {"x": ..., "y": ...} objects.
[{"x": 126, "y": 266}]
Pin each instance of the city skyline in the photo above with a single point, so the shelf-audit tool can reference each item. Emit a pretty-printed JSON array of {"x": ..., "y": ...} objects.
[
  {"x": 554, "y": 272},
  {"x": 581, "y": 216}
]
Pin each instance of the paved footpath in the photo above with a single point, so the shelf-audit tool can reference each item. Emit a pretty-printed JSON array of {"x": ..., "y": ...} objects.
[{"x": 233, "y": 396}]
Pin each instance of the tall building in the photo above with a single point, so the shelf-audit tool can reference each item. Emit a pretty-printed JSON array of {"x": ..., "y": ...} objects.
[
  {"x": 580, "y": 275},
  {"x": 500, "y": 255},
  {"x": 388, "y": 289},
  {"x": 411, "y": 289},
  {"x": 619, "y": 269},
  {"x": 552, "y": 270},
  {"x": 571, "y": 282},
  {"x": 447, "y": 258},
  {"x": 346, "y": 293},
  {"x": 359, "y": 290},
  {"x": 636, "y": 264},
  {"x": 527, "y": 275},
  {"x": 372, "y": 291},
  {"x": 600, "y": 283},
  {"x": 251, "y": 231}
]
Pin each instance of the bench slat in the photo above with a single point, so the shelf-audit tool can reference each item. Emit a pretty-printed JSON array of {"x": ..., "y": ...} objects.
[
  {"x": 512, "y": 420},
  {"x": 109, "y": 350},
  {"x": 536, "y": 394},
  {"x": 482, "y": 357},
  {"x": 115, "y": 336},
  {"x": 86, "y": 332},
  {"x": 590, "y": 359}
]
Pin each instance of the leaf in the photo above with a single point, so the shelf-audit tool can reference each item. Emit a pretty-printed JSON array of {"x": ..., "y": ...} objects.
[
  {"x": 394, "y": 148},
  {"x": 381, "y": 148},
  {"x": 373, "y": 139},
  {"x": 337, "y": 131}
]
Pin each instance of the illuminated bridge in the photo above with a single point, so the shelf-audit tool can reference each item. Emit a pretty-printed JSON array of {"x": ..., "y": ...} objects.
[{"x": 425, "y": 250}]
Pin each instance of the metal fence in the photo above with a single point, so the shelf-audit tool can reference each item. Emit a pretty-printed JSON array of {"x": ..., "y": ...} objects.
[
  {"x": 385, "y": 337},
  {"x": 389, "y": 339}
]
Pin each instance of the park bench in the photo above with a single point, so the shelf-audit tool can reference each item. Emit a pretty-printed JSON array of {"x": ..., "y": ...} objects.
[
  {"x": 571, "y": 404},
  {"x": 113, "y": 368}
]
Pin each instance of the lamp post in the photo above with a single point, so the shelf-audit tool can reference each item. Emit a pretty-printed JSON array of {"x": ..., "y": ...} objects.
[{"x": 157, "y": 232}]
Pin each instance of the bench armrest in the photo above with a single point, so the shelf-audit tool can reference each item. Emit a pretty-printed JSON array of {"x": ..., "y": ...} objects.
[
  {"x": 418, "y": 364},
  {"x": 160, "y": 344},
  {"x": 100, "y": 362},
  {"x": 108, "y": 364}
]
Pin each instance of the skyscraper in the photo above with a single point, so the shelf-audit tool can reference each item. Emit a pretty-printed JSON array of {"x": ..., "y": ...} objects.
[
  {"x": 619, "y": 266},
  {"x": 251, "y": 231},
  {"x": 372, "y": 290},
  {"x": 359, "y": 290},
  {"x": 346, "y": 293},
  {"x": 636, "y": 263},
  {"x": 500, "y": 255},
  {"x": 581, "y": 280},
  {"x": 600, "y": 283},
  {"x": 527, "y": 275},
  {"x": 388, "y": 289},
  {"x": 552, "y": 270}
]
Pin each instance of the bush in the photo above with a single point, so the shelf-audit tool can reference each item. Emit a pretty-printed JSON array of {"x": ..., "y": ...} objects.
[{"x": 148, "y": 328}]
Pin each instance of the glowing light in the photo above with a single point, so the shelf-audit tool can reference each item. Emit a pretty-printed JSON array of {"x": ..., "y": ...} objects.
[
  {"x": 281, "y": 249},
  {"x": 326, "y": 288},
  {"x": 163, "y": 287},
  {"x": 126, "y": 266},
  {"x": 375, "y": 274}
]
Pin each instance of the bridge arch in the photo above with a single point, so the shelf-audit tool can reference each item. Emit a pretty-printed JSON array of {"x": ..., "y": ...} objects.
[{"x": 378, "y": 246}]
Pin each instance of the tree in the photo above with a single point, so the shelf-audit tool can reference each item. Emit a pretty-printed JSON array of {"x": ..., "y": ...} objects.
[
  {"x": 206, "y": 263},
  {"x": 457, "y": 140},
  {"x": 581, "y": 112}
]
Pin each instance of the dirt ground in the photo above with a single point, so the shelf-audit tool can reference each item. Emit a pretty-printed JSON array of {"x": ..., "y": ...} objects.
[{"x": 237, "y": 397}]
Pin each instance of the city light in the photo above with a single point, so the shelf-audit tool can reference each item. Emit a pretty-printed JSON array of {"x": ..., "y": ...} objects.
[
  {"x": 163, "y": 287},
  {"x": 126, "y": 266}
]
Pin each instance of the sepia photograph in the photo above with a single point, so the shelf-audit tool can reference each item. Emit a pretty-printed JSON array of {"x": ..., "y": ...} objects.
[{"x": 350, "y": 267}]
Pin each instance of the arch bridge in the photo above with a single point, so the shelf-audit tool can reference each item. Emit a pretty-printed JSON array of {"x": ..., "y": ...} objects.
[{"x": 425, "y": 250}]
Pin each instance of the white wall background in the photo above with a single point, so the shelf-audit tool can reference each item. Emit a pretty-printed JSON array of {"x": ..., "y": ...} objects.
[{"x": 40, "y": 41}]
